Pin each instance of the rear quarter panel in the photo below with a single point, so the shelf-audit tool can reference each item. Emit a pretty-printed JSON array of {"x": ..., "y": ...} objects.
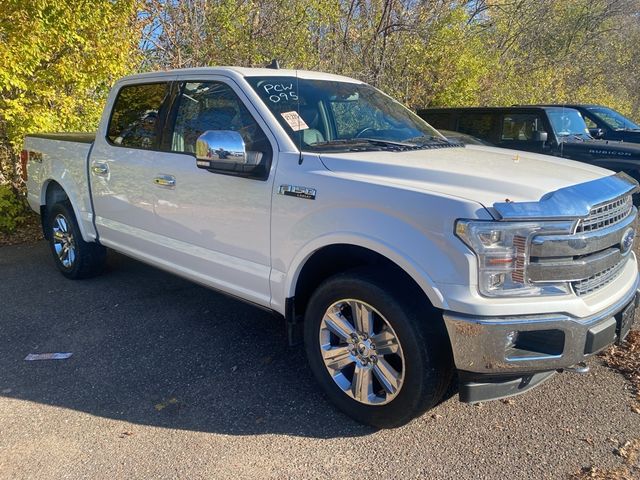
[{"x": 64, "y": 162}]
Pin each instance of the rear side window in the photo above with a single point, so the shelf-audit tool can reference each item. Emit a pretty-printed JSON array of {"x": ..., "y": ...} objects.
[
  {"x": 520, "y": 127},
  {"x": 476, "y": 124},
  {"x": 135, "y": 117}
]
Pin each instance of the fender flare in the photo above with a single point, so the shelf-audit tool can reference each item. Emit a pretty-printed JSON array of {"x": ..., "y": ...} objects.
[
  {"x": 74, "y": 207},
  {"x": 421, "y": 277}
]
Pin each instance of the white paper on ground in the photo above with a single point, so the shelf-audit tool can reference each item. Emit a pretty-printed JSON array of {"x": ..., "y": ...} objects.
[{"x": 47, "y": 356}]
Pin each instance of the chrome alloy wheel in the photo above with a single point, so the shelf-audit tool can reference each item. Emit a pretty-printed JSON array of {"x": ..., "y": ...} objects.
[
  {"x": 63, "y": 241},
  {"x": 361, "y": 352}
]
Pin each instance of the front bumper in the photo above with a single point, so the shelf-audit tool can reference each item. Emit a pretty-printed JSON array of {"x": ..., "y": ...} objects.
[{"x": 528, "y": 344}]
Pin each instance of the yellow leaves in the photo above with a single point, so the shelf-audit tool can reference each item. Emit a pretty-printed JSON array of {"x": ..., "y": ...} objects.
[
  {"x": 57, "y": 58},
  {"x": 165, "y": 403}
]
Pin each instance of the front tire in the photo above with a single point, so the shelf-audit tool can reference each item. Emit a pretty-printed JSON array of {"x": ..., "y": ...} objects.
[
  {"x": 74, "y": 257},
  {"x": 378, "y": 350}
]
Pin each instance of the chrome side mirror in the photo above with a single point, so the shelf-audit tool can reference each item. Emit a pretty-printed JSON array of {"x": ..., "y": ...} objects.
[{"x": 220, "y": 148}]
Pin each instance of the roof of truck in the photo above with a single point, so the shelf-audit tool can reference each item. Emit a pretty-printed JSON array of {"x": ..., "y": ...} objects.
[{"x": 244, "y": 72}]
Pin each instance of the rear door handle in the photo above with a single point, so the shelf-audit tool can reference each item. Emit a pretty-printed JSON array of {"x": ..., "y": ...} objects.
[
  {"x": 168, "y": 181},
  {"x": 100, "y": 169}
]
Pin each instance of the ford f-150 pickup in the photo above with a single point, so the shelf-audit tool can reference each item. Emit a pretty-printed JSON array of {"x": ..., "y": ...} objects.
[{"x": 400, "y": 258}]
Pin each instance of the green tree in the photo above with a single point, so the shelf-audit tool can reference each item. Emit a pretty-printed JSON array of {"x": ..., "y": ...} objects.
[
  {"x": 58, "y": 59},
  {"x": 194, "y": 33},
  {"x": 578, "y": 51}
]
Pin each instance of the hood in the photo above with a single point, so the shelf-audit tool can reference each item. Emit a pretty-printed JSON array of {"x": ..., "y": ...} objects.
[
  {"x": 604, "y": 148},
  {"x": 632, "y": 136},
  {"x": 482, "y": 174}
]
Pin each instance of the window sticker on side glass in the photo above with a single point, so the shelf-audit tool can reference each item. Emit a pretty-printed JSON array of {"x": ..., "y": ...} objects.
[{"x": 294, "y": 120}]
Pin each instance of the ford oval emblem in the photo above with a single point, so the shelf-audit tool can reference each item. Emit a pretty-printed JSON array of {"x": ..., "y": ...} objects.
[{"x": 627, "y": 240}]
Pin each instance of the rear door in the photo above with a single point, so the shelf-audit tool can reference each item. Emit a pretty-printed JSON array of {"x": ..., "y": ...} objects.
[{"x": 120, "y": 167}]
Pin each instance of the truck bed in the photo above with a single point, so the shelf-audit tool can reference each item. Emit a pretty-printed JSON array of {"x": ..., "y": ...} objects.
[
  {"x": 77, "y": 137},
  {"x": 63, "y": 159}
]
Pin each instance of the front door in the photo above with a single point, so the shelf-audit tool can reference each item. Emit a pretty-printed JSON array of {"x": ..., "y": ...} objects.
[
  {"x": 216, "y": 226},
  {"x": 518, "y": 132}
]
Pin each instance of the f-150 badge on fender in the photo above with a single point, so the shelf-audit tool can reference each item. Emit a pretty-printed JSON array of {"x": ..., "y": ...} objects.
[{"x": 295, "y": 191}]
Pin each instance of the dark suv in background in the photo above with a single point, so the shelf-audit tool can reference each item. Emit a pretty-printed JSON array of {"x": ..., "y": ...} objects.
[
  {"x": 605, "y": 123},
  {"x": 550, "y": 130}
]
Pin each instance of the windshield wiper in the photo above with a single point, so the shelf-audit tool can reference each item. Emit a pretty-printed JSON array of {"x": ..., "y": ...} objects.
[
  {"x": 352, "y": 144},
  {"x": 389, "y": 143},
  {"x": 381, "y": 144},
  {"x": 412, "y": 144},
  {"x": 428, "y": 139},
  {"x": 357, "y": 143}
]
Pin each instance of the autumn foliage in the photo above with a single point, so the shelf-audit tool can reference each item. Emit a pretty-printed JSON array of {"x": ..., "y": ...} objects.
[{"x": 58, "y": 58}]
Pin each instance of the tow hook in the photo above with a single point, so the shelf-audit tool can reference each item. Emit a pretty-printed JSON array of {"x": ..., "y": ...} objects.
[{"x": 577, "y": 368}]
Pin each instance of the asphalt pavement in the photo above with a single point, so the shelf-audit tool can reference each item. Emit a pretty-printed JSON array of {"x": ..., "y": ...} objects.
[{"x": 170, "y": 380}]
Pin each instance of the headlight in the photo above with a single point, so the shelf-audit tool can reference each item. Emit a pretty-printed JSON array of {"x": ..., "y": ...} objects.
[{"x": 502, "y": 252}]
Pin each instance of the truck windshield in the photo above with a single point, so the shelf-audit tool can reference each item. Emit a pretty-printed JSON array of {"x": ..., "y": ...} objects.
[
  {"x": 322, "y": 116},
  {"x": 613, "y": 119},
  {"x": 568, "y": 122}
]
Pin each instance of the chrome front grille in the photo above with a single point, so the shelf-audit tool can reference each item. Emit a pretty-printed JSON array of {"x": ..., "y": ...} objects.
[
  {"x": 606, "y": 214},
  {"x": 591, "y": 257},
  {"x": 599, "y": 280}
]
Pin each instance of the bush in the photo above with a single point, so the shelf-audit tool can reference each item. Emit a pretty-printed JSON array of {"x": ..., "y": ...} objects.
[{"x": 12, "y": 209}]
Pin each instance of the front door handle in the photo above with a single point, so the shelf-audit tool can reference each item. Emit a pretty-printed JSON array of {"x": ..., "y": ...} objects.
[
  {"x": 101, "y": 169},
  {"x": 168, "y": 181}
]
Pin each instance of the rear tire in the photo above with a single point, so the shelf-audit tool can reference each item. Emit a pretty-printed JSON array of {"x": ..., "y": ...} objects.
[
  {"x": 393, "y": 372},
  {"x": 74, "y": 257}
]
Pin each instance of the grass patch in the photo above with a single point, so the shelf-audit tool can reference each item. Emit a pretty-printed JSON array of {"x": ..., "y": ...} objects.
[{"x": 27, "y": 231}]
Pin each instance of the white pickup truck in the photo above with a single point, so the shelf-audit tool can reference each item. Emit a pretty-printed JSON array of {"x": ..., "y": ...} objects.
[{"x": 399, "y": 256}]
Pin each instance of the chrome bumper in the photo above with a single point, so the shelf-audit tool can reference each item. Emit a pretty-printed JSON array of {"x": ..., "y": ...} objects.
[{"x": 511, "y": 345}]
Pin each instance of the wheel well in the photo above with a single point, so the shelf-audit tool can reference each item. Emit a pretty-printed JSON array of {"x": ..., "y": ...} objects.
[
  {"x": 54, "y": 193},
  {"x": 334, "y": 259}
]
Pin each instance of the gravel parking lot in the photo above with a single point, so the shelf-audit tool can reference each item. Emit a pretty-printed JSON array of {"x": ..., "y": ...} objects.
[{"x": 170, "y": 380}]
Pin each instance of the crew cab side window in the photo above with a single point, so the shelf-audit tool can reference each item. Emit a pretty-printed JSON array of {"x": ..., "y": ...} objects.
[
  {"x": 135, "y": 118},
  {"x": 206, "y": 106},
  {"x": 520, "y": 127}
]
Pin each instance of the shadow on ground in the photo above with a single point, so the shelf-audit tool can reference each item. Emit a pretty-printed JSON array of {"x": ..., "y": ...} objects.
[{"x": 153, "y": 349}]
